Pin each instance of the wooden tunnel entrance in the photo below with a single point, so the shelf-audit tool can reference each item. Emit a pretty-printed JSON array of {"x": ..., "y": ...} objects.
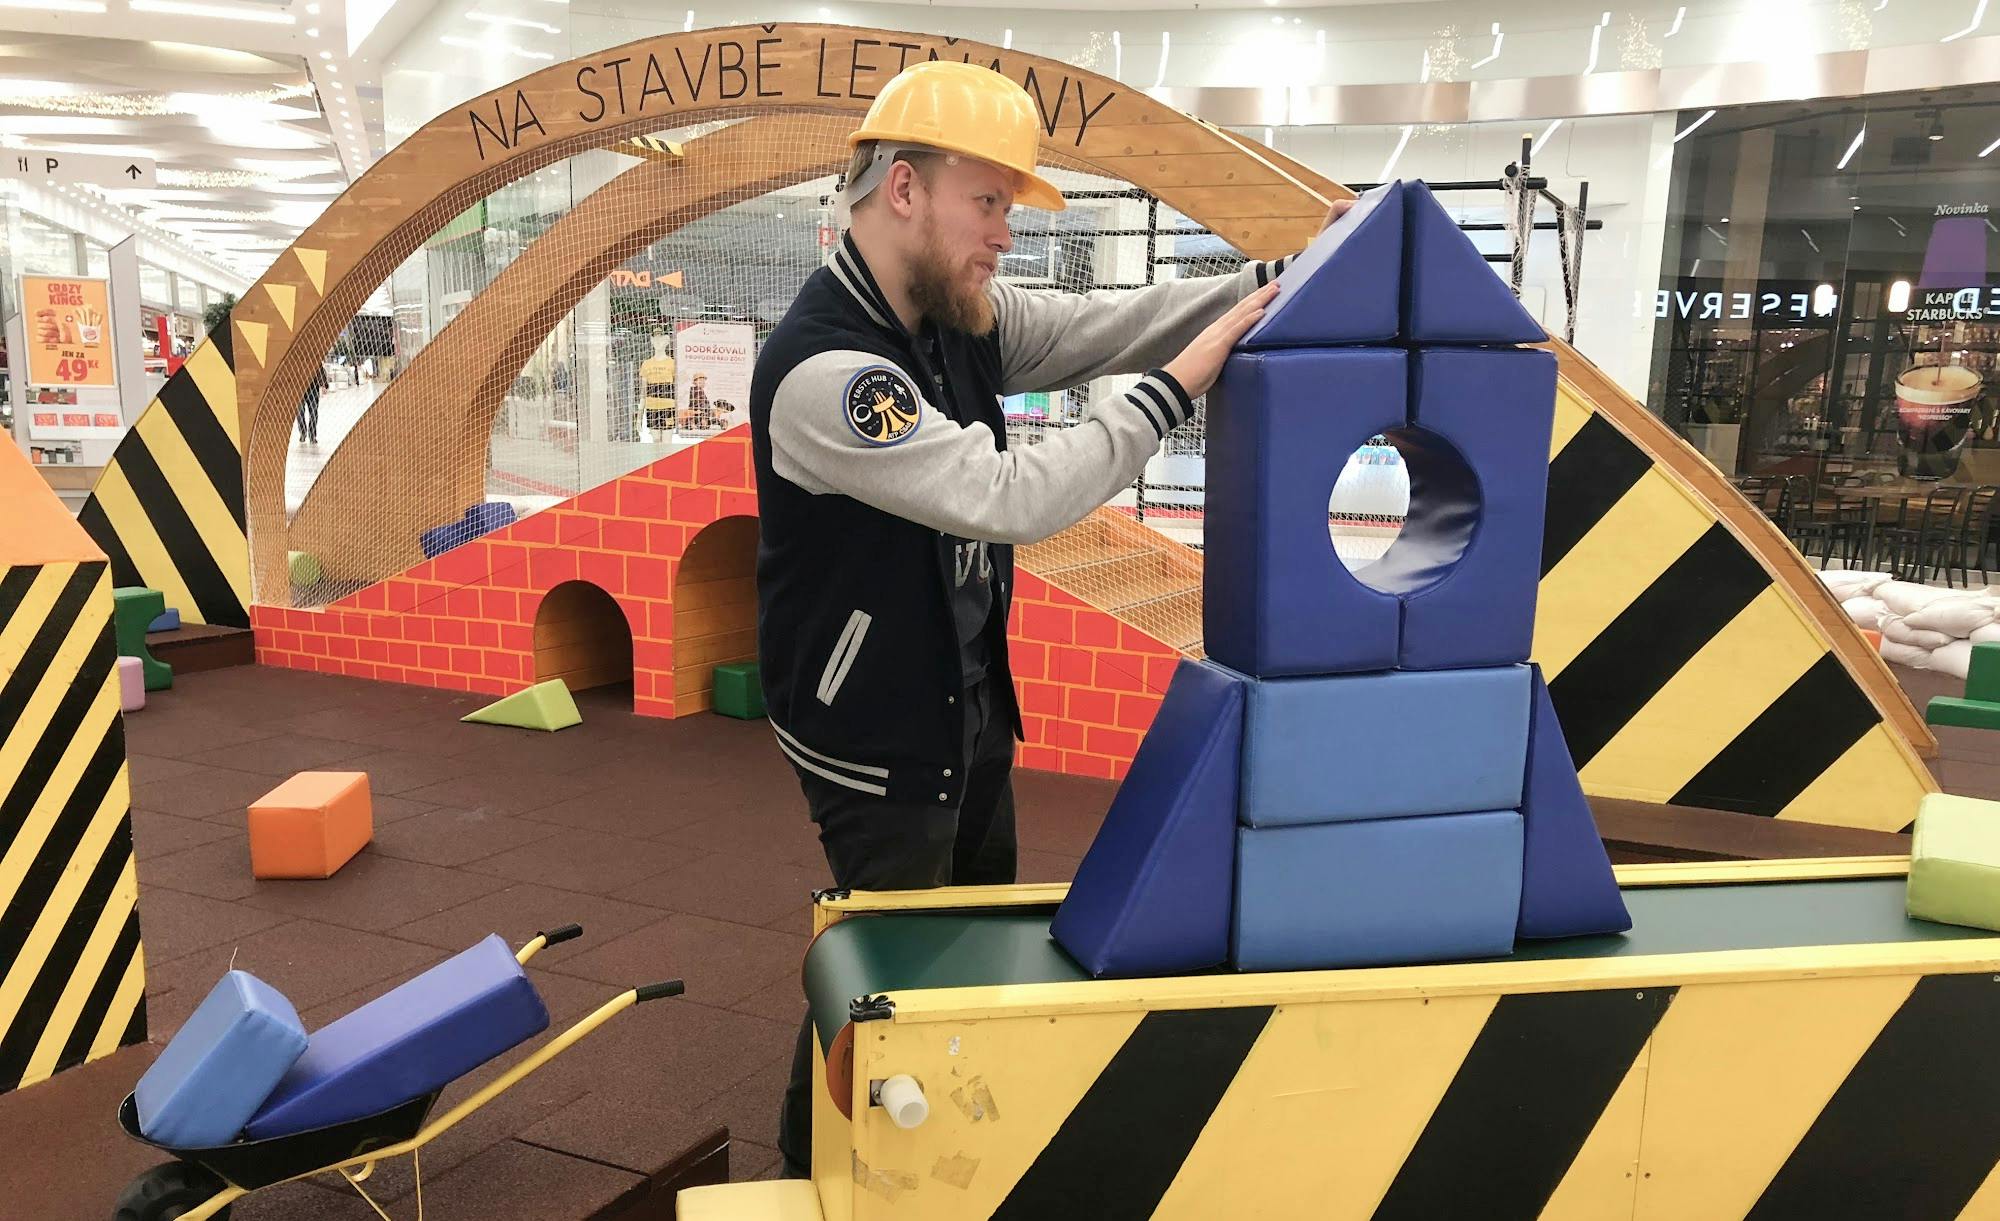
[
  {"x": 582, "y": 638},
  {"x": 715, "y": 609}
]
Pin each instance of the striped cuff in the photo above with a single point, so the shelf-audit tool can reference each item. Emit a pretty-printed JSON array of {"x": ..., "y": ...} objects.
[
  {"x": 1270, "y": 269},
  {"x": 1159, "y": 398}
]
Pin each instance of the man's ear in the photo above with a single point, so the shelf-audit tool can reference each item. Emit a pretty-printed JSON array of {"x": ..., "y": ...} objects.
[{"x": 899, "y": 189}]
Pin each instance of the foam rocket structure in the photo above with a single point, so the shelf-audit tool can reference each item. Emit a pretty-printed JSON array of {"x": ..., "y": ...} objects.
[{"x": 1366, "y": 769}]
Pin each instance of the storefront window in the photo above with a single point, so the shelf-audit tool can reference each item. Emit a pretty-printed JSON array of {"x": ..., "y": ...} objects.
[{"x": 1829, "y": 303}]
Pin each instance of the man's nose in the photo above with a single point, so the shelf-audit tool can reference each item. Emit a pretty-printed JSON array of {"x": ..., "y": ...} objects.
[{"x": 1004, "y": 241}]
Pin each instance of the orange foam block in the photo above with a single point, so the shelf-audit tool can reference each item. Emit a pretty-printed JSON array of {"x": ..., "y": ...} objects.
[
  {"x": 1873, "y": 637},
  {"x": 311, "y": 825}
]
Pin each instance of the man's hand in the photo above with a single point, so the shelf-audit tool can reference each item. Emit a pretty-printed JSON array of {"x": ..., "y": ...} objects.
[
  {"x": 1337, "y": 209},
  {"x": 1197, "y": 367}
]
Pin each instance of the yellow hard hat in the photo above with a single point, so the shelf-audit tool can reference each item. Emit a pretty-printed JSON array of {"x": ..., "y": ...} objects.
[{"x": 964, "y": 108}]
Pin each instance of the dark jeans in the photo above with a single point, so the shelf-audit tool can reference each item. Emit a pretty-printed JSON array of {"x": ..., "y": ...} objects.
[
  {"x": 309, "y": 416},
  {"x": 874, "y": 844}
]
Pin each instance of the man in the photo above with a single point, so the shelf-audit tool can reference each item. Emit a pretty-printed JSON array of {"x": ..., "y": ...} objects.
[{"x": 890, "y": 502}]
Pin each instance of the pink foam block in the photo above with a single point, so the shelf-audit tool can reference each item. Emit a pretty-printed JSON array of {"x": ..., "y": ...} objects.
[{"x": 131, "y": 684}]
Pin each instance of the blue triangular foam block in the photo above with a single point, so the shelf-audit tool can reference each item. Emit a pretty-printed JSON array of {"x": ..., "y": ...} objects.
[
  {"x": 1450, "y": 294},
  {"x": 1153, "y": 894},
  {"x": 1345, "y": 287},
  {"x": 1567, "y": 889}
]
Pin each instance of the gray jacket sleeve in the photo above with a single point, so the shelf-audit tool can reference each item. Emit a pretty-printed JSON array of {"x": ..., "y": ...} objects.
[
  {"x": 950, "y": 477},
  {"x": 1054, "y": 340}
]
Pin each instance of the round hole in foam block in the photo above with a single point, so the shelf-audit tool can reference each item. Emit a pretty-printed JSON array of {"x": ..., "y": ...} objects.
[
  {"x": 1493, "y": 409},
  {"x": 1439, "y": 515},
  {"x": 1276, "y": 599}
]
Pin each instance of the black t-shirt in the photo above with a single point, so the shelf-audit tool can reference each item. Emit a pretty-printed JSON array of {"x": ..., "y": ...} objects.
[{"x": 972, "y": 566}]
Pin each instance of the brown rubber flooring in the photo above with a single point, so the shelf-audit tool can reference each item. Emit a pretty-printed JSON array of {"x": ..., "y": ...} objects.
[{"x": 681, "y": 847}]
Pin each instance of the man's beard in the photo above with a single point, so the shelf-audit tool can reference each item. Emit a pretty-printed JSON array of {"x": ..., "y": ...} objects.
[{"x": 948, "y": 295}]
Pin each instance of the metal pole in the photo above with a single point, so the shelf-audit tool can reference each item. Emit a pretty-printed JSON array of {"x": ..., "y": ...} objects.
[
  {"x": 1524, "y": 204},
  {"x": 1576, "y": 258}
]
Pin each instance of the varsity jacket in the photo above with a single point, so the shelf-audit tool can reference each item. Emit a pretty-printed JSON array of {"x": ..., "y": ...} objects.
[{"x": 878, "y": 450}]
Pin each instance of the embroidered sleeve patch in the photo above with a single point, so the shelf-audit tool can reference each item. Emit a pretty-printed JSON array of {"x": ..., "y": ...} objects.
[{"x": 882, "y": 407}]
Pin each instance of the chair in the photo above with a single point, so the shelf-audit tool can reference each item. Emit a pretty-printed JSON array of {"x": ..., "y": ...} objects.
[
  {"x": 1844, "y": 526},
  {"x": 1923, "y": 545},
  {"x": 1975, "y": 535}
]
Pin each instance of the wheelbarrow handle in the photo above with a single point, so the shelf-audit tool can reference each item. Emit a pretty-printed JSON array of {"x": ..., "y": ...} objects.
[
  {"x": 556, "y": 936},
  {"x": 653, "y": 992}
]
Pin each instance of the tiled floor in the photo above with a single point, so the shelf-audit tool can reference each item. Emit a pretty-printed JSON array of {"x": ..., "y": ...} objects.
[{"x": 681, "y": 847}]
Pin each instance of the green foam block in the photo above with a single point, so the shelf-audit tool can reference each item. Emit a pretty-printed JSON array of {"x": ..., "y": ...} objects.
[
  {"x": 1955, "y": 862},
  {"x": 1982, "y": 676},
  {"x": 546, "y": 705},
  {"x": 1966, "y": 714},
  {"x": 133, "y": 610},
  {"x": 305, "y": 567},
  {"x": 739, "y": 692}
]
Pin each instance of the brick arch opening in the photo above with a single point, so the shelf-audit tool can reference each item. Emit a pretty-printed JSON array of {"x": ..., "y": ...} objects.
[
  {"x": 715, "y": 608},
  {"x": 581, "y": 637}
]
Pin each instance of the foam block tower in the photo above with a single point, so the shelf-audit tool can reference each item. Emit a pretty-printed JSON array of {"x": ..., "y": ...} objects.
[{"x": 1367, "y": 768}]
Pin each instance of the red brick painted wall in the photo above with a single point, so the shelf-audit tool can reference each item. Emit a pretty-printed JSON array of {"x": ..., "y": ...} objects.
[{"x": 1089, "y": 685}]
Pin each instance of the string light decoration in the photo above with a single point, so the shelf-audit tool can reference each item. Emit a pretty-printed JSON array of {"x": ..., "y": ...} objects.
[
  {"x": 1857, "y": 24},
  {"x": 1443, "y": 64},
  {"x": 144, "y": 105},
  {"x": 1093, "y": 52},
  {"x": 1638, "y": 50},
  {"x": 216, "y": 180}
]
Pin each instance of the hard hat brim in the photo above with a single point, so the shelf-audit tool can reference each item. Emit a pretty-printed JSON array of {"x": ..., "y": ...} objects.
[{"x": 1030, "y": 190}]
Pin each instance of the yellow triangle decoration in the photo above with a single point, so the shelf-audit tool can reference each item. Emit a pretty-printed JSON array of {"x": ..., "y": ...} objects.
[
  {"x": 314, "y": 261},
  {"x": 285, "y": 297},
  {"x": 253, "y": 333}
]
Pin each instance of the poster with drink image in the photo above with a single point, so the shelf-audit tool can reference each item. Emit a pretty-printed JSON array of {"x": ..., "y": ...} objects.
[{"x": 1934, "y": 404}]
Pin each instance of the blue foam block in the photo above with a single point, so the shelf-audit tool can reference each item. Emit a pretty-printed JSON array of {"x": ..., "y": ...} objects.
[
  {"x": 1152, "y": 894},
  {"x": 1493, "y": 408},
  {"x": 1450, "y": 292},
  {"x": 168, "y": 621},
  {"x": 221, "y": 1065},
  {"x": 1362, "y": 746},
  {"x": 1276, "y": 598},
  {"x": 414, "y": 1039},
  {"x": 439, "y": 539},
  {"x": 1399, "y": 890},
  {"x": 1567, "y": 888},
  {"x": 1346, "y": 286},
  {"x": 488, "y": 517}
]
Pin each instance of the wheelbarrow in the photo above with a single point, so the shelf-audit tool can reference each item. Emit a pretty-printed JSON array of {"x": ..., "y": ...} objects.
[{"x": 200, "y": 1184}]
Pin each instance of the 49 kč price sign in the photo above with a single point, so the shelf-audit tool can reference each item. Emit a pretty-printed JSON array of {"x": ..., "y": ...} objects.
[{"x": 72, "y": 381}]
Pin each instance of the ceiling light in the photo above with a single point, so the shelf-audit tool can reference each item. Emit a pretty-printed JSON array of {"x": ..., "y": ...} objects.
[
  {"x": 1679, "y": 14},
  {"x": 1498, "y": 38},
  {"x": 225, "y": 12},
  {"x": 1936, "y": 132},
  {"x": 1395, "y": 156},
  {"x": 1853, "y": 148},
  {"x": 313, "y": 32},
  {"x": 55, "y": 6},
  {"x": 326, "y": 55},
  {"x": 1548, "y": 131},
  {"x": 313, "y": 9},
  {"x": 1978, "y": 16}
]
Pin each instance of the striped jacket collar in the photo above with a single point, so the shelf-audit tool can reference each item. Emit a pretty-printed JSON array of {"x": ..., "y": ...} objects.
[{"x": 851, "y": 270}]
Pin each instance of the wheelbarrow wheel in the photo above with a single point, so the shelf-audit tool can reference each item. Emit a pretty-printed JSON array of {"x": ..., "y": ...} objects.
[{"x": 167, "y": 1191}]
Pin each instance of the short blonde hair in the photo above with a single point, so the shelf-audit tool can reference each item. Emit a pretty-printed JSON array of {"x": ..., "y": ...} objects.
[{"x": 925, "y": 164}]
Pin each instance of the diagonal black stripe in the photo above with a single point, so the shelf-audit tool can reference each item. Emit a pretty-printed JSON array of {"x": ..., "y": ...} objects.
[
  {"x": 190, "y": 555},
  {"x": 1592, "y": 473},
  {"x": 38, "y": 1006},
  {"x": 102, "y": 993},
  {"x": 1786, "y": 748},
  {"x": 70, "y": 604},
  {"x": 14, "y": 585},
  {"x": 206, "y": 439},
  {"x": 1524, "y": 1100},
  {"x": 1116, "y": 1154},
  {"x": 80, "y": 805},
  {"x": 1650, "y": 640},
  {"x": 222, "y": 337},
  {"x": 97, "y": 524},
  {"x": 135, "y": 1030},
  {"x": 1912, "y": 1132}
]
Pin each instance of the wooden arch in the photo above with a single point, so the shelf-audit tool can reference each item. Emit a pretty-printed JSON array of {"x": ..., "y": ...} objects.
[{"x": 1259, "y": 201}]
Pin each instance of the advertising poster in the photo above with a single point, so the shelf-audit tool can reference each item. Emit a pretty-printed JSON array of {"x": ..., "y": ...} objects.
[
  {"x": 71, "y": 391},
  {"x": 712, "y": 364}
]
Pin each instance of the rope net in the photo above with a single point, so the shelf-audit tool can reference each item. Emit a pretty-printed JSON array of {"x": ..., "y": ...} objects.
[{"x": 603, "y": 311}]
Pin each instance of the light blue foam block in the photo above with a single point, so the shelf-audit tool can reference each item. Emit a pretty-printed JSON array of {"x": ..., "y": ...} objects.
[
  {"x": 1390, "y": 891},
  {"x": 1361, "y": 746},
  {"x": 1152, "y": 895},
  {"x": 416, "y": 1038},
  {"x": 220, "y": 1066},
  {"x": 1276, "y": 598}
]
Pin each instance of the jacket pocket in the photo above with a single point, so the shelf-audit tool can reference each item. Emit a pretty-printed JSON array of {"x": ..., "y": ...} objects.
[{"x": 841, "y": 660}]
